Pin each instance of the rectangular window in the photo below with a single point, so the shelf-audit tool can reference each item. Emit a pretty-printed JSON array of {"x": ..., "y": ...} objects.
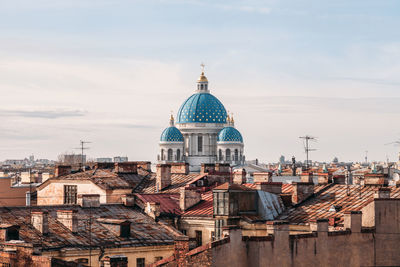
[
  {"x": 200, "y": 143},
  {"x": 70, "y": 194},
  {"x": 199, "y": 239},
  {"x": 184, "y": 232},
  {"x": 140, "y": 262}
]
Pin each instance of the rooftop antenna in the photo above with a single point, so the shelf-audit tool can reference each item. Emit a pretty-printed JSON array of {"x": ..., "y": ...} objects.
[
  {"x": 307, "y": 148},
  {"x": 395, "y": 143},
  {"x": 82, "y": 148}
]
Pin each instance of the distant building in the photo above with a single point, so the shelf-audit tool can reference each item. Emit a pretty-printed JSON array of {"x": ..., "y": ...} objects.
[
  {"x": 73, "y": 159},
  {"x": 120, "y": 159},
  {"x": 104, "y": 160}
]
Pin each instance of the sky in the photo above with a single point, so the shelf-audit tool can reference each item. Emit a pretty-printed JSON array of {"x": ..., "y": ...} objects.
[{"x": 111, "y": 72}]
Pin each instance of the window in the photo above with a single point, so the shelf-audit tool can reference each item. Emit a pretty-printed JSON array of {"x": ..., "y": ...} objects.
[
  {"x": 199, "y": 239},
  {"x": 12, "y": 234},
  {"x": 70, "y": 193},
  {"x": 125, "y": 230},
  {"x": 140, "y": 262},
  {"x": 184, "y": 232},
  {"x": 200, "y": 143},
  {"x": 218, "y": 228},
  {"x": 5, "y": 264},
  {"x": 228, "y": 155},
  {"x": 220, "y": 155},
  {"x": 162, "y": 154},
  {"x": 236, "y": 155},
  {"x": 178, "y": 154},
  {"x": 169, "y": 154},
  {"x": 213, "y": 236},
  {"x": 221, "y": 203},
  {"x": 158, "y": 258}
]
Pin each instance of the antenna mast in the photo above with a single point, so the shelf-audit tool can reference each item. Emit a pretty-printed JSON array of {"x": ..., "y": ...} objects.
[
  {"x": 82, "y": 148},
  {"x": 307, "y": 148}
]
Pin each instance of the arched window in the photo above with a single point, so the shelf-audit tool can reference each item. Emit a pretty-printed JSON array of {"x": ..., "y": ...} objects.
[
  {"x": 162, "y": 154},
  {"x": 178, "y": 154},
  {"x": 228, "y": 155},
  {"x": 220, "y": 155},
  {"x": 170, "y": 154},
  {"x": 236, "y": 155},
  {"x": 201, "y": 86}
]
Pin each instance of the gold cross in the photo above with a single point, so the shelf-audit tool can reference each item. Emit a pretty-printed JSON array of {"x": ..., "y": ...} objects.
[{"x": 202, "y": 67}]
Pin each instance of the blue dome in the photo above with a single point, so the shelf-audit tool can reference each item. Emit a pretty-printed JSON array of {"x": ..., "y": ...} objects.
[
  {"x": 171, "y": 134},
  {"x": 229, "y": 134},
  {"x": 202, "y": 108}
]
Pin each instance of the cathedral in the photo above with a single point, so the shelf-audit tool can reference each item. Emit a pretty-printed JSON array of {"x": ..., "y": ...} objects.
[{"x": 202, "y": 133}]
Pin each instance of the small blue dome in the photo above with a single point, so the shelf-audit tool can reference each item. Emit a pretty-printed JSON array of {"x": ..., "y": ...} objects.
[
  {"x": 202, "y": 108},
  {"x": 229, "y": 134},
  {"x": 171, "y": 134}
]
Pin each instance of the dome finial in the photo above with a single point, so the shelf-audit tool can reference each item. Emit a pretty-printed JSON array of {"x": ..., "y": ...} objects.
[
  {"x": 232, "y": 120},
  {"x": 202, "y": 78},
  {"x": 171, "y": 119}
]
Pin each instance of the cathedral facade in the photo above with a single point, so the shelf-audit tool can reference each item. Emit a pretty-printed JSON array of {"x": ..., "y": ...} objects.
[{"x": 202, "y": 133}]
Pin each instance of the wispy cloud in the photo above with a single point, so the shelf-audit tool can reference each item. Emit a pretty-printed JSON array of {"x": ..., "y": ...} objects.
[{"x": 44, "y": 114}]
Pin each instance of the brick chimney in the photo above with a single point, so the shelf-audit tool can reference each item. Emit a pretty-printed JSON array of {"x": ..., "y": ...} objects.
[
  {"x": 262, "y": 177},
  {"x": 125, "y": 167},
  {"x": 62, "y": 170},
  {"x": 324, "y": 178},
  {"x": 180, "y": 168},
  {"x": 89, "y": 200},
  {"x": 306, "y": 177},
  {"x": 207, "y": 168},
  {"x": 153, "y": 209},
  {"x": 382, "y": 192},
  {"x": 320, "y": 225},
  {"x": 163, "y": 176},
  {"x": 115, "y": 261},
  {"x": 301, "y": 191},
  {"x": 271, "y": 187},
  {"x": 352, "y": 221},
  {"x": 128, "y": 200},
  {"x": 69, "y": 218},
  {"x": 188, "y": 197},
  {"x": 375, "y": 179},
  {"x": 40, "y": 220},
  {"x": 239, "y": 176}
]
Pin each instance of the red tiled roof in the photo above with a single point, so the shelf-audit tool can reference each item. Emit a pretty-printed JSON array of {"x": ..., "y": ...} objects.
[
  {"x": 169, "y": 203},
  {"x": 333, "y": 195},
  {"x": 203, "y": 209}
]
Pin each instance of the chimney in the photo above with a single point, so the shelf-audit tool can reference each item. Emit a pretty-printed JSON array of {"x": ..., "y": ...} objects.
[
  {"x": 180, "y": 168},
  {"x": 301, "y": 191},
  {"x": 115, "y": 261},
  {"x": 26, "y": 177},
  {"x": 207, "y": 168},
  {"x": 339, "y": 179},
  {"x": 239, "y": 176},
  {"x": 69, "y": 218},
  {"x": 153, "y": 209},
  {"x": 188, "y": 197},
  {"x": 40, "y": 220},
  {"x": 104, "y": 165},
  {"x": 262, "y": 177},
  {"x": 306, "y": 177},
  {"x": 320, "y": 226},
  {"x": 382, "y": 192},
  {"x": 223, "y": 167},
  {"x": 352, "y": 221},
  {"x": 280, "y": 230},
  {"x": 128, "y": 200},
  {"x": 46, "y": 176},
  {"x": 271, "y": 187},
  {"x": 375, "y": 179},
  {"x": 62, "y": 170},
  {"x": 89, "y": 200},
  {"x": 324, "y": 178},
  {"x": 125, "y": 167},
  {"x": 146, "y": 165},
  {"x": 163, "y": 176}
]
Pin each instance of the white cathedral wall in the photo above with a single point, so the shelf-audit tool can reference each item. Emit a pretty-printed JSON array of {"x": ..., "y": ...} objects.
[
  {"x": 223, "y": 146},
  {"x": 164, "y": 146}
]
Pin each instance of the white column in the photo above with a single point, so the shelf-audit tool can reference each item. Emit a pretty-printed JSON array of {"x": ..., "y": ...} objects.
[{"x": 190, "y": 144}]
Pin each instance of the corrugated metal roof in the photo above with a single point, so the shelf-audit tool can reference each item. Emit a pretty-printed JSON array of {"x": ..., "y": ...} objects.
[
  {"x": 203, "y": 209},
  {"x": 169, "y": 203},
  {"x": 337, "y": 195},
  {"x": 144, "y": 230},
  {"x": 177, "y": 180}
]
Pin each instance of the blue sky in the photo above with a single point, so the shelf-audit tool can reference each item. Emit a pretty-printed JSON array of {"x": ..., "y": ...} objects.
[{"x": 111, "y": 72}]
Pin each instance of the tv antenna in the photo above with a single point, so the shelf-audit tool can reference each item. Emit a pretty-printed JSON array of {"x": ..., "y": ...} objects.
[
  {"x": 395, "y": 143},
  {"x": 307, "y": 149},
  {"x": 82, "y": 148}
]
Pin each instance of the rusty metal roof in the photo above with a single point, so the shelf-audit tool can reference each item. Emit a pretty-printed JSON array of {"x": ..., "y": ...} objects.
[
  {"x": 169, "y": 203},
  {"x": 203, "y": 209},
  {"x": 144, "y": 230},
  {"x": 334, "y": 195},
  {"x": 104, "y": 178},
  {"x": 177, "y": 181}
]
